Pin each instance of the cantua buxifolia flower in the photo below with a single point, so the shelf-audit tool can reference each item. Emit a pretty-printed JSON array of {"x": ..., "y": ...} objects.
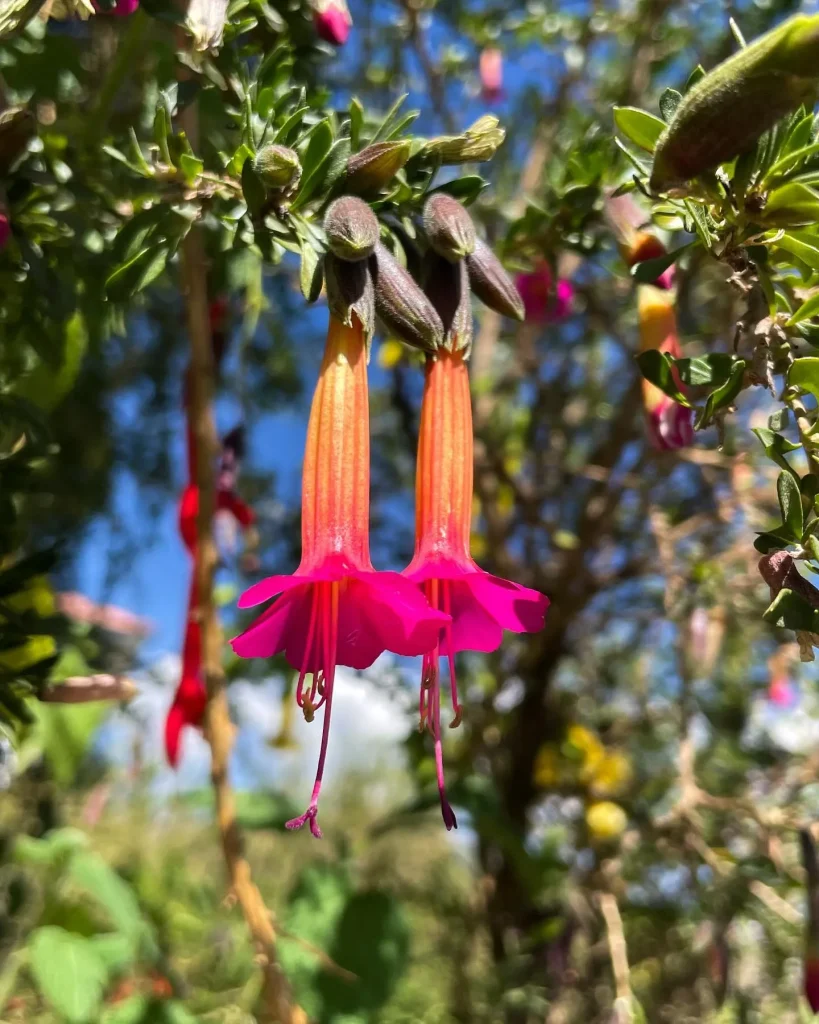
[
  {"x": 669, "y": 423},
  {"x": 544, "y": 299},
  {"x": 190, "y": 699},
  {"x": 634, "y": 240},
  {"x": 332, "y": 21},
  {"x": 490, "y": 67},
  {"x": 336, "y": 609}
]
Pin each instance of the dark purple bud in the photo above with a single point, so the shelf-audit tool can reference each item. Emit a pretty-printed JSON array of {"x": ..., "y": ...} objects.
[
  {"x": 490, "y": 282},
  {"x": 448, "y": 290},
  {"x": 402, "y": 305},
  {"x": 350, "y": 290},
  {"x": 449, "y": 228},
  {"x": 351, "y": 228}
]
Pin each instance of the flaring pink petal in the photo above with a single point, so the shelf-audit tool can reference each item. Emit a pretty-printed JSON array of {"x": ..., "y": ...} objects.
[
  {"x": 473, "y": 628},
  {"x": 275, "y": 628},
  {"x": 358, "y": 643},
  {"x": 272, "y": 586},
  {"x": 399, "y": 614},
  {"x": 511, "y": 605},
  {"x": 436, "y": 567}
]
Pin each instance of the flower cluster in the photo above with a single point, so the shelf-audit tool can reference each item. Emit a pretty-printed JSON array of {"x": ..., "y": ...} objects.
[
  {"x": 669, "y": 423},
  {"x": 336, "y": 609}
]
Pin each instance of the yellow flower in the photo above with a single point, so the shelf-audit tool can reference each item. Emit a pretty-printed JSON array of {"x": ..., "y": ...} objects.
[
  {"x": 547, "y": 766},
  {"x": 390, "y": 354},
  {"x": 612, "y": 774},
  {"x": 606, "y": 820},
  {"x": 589, "y": 746}
]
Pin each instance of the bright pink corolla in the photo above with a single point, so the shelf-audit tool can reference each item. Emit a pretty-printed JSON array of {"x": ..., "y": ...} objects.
[
  {"x": 336, "y": 609},
  {"x": 543, "y": 301},
  {"x": 781, "y": 692},
  {"x": 490, "y": 67},
  {"x": 332, "y": 21},
  {"x": 481, "y": 606}
]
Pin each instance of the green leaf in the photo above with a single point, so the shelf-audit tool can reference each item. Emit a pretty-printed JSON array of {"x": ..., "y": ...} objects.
[
  {"x": 790, "y": 504},
  {"x": 792, "y": 204},
  {"x": 386, "y": 124},
  {"x": 640, "y": 127},
  {"x": 789, "y": 610},
  {"x": 313, "y": 163},
  {"x": 809, "y": 308},
  {"x": 372, "y": 942},
  {"x": 117, "y": 952},
  {"x": 765, "y": 543},
  {"x": 68, "y": 972},
  {"x": 161, "y": 129},
  {"x": 779, "y": 420},
  {"x": 669, "y": 101},
  {"x": 802, "y": 244},
  {"x": 191, "y": 167},
  {"x": 713, "y": 369},
  {"x": 135, "y": 275},
  {"x": 657, "y": 368},
  {"x": 252, "y": 188},
  {"x": 804, "y": 374},
  {"x": 335, "y": 164},
  {"x": 647, "y": 271},
  {"x": 90, "y": 872},
  {"x": 356, "y": 122},
  {"x": 723, "y": 396},
  {"x": 694, "y": 77},
  {"x": 287, "y": 132},
  {"x": 776, "y": 447},
  {"x": 310, "y": 273},
  {"x": 701, "y": 225},
  {"x": 465, "y": 189},
  {"x": 641, "y": 168}
]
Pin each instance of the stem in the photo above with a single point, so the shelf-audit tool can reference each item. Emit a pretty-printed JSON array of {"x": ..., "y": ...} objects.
[{"x": 218, "y": 726}]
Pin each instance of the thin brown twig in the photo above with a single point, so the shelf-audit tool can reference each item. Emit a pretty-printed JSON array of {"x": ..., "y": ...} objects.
[
  {"x": 84, "y": 689},
  {"x": 219, "y": 729}
]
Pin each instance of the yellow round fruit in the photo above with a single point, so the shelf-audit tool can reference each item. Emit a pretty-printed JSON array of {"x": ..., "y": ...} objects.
[{"x": 606, "y": 820}]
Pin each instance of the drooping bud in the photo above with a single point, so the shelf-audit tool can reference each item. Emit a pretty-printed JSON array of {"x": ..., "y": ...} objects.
[
  {"x": 278, "y": 167},
  {"x": 351, "y": 228},
  {"x": 332, "y": 21},
  {"x": 449, "y": 228},
  {"x": 448, "y": 289},
  {"x": 375, "y": 166},
  {"x": 350, "y": 290},
  {"x": 724, "y": 114},
  {"x": 490, "y": 282},
  {"x": 479, "y": 142},
  {"x": 401, "y": 304}
]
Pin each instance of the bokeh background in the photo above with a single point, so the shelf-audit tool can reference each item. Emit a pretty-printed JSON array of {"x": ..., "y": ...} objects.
[{"x": 629, "y": 783}]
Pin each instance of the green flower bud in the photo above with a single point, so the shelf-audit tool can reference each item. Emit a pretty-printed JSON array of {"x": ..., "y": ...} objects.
[
  {"x": 490, "y": 282},
  {"x": 278, "y": 167},
  {"x": 375, "y": 166},
  {"x": 351, "y": 228},
  {"x": 401, "y": 304},
  {"x": 449, "y": 228},
  {"x": 724, "y": 114},
  {"x": 479, "y": 142},
  {"x": 448, "y": 289}
]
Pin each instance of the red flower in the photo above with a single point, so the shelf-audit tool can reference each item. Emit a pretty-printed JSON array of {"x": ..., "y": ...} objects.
[
  {"x": 668, "y": 423},
  {"x": 481, "y": 606},
  {"x": 332, "y": 21},
  {"x": 336, "y": 609}
]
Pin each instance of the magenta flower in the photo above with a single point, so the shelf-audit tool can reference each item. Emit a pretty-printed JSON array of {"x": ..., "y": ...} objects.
[
  {"x": 332, "y": 21},
  {"x": 336, "y": 609},
  {"x": 481, "y": 606},
  {"x": 5, "y": 230},
  {"x": 543, "y": 301}
]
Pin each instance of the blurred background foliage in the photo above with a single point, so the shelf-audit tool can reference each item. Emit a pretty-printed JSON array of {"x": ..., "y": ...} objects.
[{"x": 629, "y": 783}]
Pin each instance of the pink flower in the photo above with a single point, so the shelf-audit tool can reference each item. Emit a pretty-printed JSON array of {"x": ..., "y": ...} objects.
[
  {"x": 336, "y": 609},
  {"x": 332, "y": 21},
  {"x": 781, "y": 692},
  {"x": 481, "y": 606},
  {"x": 490, "y": 67},
  {"x": 668, "y": 422},
  {"x": 542, "y": 302},
  {"x": 5, "y": 230}
]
